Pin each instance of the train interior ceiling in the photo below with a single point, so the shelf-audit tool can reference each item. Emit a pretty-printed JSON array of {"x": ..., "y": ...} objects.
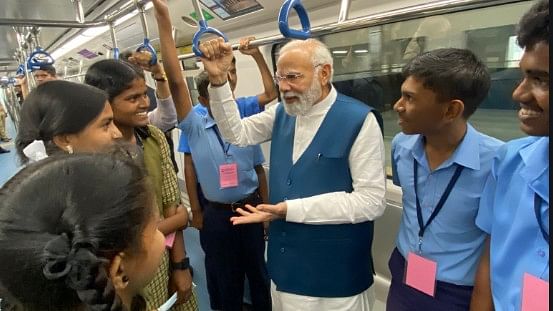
[{"x": 368, "y": 56}]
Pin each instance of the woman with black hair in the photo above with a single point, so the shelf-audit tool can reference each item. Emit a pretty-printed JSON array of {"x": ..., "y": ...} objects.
[
  {"x": 127, "y": 93},
  {"x": 65, "y": 116},
  {"x": 81, "y": 241}
]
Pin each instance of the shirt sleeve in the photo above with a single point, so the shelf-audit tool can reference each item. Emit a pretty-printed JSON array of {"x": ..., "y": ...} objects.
[
  {"x": 190, "y": 125},
  {"x": 164, "y": 116},
  {"x": 484, "y": 218},
  {"x": 366, "y": 202},
  {"x": 183, "y": 143},
  {"x": 249, "y": 131},
  {"x": 248, "y": 106}
]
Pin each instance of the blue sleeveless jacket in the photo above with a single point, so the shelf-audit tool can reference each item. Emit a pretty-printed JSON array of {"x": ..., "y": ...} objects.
[{"x": 318, "y": 260}]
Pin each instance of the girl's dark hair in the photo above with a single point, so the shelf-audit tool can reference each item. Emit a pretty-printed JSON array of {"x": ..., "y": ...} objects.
[
  {"x": 112, "y": 76},
  {"x": 62, "y": 221},
  {"x": 55, "y": 108}
]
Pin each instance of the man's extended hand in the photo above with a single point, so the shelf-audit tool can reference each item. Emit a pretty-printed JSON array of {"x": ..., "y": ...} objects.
[
  {"x": 217, "y": 59},
  {"x": 142, "y": 59},
  {"x": 260, "y": 213}
]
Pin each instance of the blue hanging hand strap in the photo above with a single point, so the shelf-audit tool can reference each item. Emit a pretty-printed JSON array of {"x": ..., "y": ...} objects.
[
  {"x": 283, "y": 25},
  {"x": 116, "y": 54},
  {"x": 20, "y": 70},
  {"x": 39, "y": 58},
  {"x": 202, "y": 30},
  {"x": 146, "y": 46}
]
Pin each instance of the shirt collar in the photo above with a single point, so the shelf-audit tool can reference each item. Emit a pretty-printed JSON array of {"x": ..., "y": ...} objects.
[
  {"x": 209, "y": 121},
  {"x": 466, "y": 154},
  {"x": 535, "y": 170}
]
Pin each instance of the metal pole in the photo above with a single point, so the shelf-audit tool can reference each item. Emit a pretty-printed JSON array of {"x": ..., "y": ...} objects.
[
  {"x": 125, "y": 9},
  {"x": 344, "y": 11},
  {"x": 79, "y": 12},
  {"x": 199, "y": 12},
  {"x": 35, "y": 35},
  {"x": 112, "y": 33},
  {"x": 142, "y": 14},
  {"x": 397, "y": 15}
]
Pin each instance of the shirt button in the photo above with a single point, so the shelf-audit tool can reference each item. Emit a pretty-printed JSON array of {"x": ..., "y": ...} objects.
[
  {"x": 285, "y": 198},
  {"x": 289, "y": 182},
  {"x": 282, "y": 250},
  {"x": 541, "y": 253}
]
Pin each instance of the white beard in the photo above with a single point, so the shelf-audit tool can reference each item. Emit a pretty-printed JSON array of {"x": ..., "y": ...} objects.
[{"x": 305, "y": 100}]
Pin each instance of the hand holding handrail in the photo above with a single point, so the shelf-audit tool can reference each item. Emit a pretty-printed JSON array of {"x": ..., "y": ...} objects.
[
  {"x": 203, "y": 28},
  {"x": 146, "y": 45}
]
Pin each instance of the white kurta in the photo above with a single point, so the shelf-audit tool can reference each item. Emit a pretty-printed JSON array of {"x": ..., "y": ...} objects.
[{"x": 366, "y": 162}]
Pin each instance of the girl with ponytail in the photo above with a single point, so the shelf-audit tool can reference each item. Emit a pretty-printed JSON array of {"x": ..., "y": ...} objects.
[{"x": 72, "y": 238}]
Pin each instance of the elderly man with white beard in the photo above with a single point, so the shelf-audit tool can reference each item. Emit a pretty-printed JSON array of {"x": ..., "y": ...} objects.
[{"x": 326, "y": 179}]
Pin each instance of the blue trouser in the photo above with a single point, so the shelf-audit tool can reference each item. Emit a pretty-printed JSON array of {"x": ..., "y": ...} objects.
[
  {"x": 231, "y": 254},
  {"x": 401, "y": 297}
]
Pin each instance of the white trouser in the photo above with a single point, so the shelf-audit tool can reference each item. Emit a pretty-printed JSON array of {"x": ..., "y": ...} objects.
[{"x": 290, "y": 302}]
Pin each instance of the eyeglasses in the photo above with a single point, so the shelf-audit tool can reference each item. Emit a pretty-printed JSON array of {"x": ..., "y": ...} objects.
[{"x": 291, "y": 77}]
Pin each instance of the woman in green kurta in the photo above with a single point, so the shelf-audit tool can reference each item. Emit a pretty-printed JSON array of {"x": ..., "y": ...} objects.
[{"x": 126, "y": 88}]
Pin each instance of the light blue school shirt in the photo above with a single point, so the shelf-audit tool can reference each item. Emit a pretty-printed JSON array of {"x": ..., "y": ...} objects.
[
  {"x": 520, "y": 170},
  {"x": 452, "y": 239},
  {"x": 207, "y": 155},
  {"x": 247, "y": 106}
]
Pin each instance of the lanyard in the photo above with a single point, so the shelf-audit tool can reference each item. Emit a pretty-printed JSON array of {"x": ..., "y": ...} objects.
[
  {"x": 537, "y": 210},
  {"x": 422, "y": 226},
  {"x": 225, "y": 150}
]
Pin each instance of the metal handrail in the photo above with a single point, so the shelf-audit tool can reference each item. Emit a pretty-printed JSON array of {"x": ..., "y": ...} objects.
[
  {"x": 126, "y": 8},
  {"x": 396, "y": 15}
]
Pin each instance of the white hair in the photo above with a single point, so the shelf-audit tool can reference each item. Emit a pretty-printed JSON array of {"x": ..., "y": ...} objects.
[{"x": 320, "y": 55}]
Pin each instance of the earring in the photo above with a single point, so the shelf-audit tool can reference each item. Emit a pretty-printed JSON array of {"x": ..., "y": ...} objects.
[{"x": 69, "y": 149}]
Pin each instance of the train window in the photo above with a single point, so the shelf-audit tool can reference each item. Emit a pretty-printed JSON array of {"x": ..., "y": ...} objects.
[{"x": 368, "y": 62}]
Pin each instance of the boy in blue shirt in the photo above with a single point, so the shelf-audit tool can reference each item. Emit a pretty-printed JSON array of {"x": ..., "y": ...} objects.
[
  {"x": 514, "y": 210},
  {"x": 441, "y": 163},
  {"x": 225, "y": 283}
]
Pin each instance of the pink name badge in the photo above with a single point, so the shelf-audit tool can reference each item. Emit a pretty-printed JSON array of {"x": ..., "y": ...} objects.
[
  {"x": 228, "y": 175},
  {"x": 535, "y": 294},
  {"x": 421, "y": 274},
  {"x": 170, "y": 240}
]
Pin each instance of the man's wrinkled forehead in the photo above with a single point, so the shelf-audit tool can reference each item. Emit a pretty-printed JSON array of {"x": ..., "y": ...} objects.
[{"x": 295, "y": 60}]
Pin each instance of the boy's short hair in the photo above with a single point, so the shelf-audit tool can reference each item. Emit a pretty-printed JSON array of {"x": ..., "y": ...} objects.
[
  {"x": 202, "y": 82},
  {"x": 452, "y": 74},
  {"x": 534, "y": 25}
]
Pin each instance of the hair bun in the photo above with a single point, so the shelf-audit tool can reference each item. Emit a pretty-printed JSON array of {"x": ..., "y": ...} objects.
[{"x": 57, "y": 256}]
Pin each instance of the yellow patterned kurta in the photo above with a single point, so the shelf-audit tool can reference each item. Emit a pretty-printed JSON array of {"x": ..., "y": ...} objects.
[{"x": 164, "y": 180}]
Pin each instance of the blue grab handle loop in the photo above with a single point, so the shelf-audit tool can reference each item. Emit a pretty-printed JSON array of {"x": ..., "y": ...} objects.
[
  {"x": 34, "y": 63},
  {"x": 148, "y": 47},
  {"x": 116, "y": 53},
  {"x": 20, "y": 70},
  {"x": 202, "y": 30},
  {"x": 285, "y": 30}
]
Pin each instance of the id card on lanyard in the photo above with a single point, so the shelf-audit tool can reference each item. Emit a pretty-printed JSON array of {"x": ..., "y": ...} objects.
[
  {"x": 535, "y": 291},
  {"x": 228, "y": 172},
  {"x": 420, "y": 272}
]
